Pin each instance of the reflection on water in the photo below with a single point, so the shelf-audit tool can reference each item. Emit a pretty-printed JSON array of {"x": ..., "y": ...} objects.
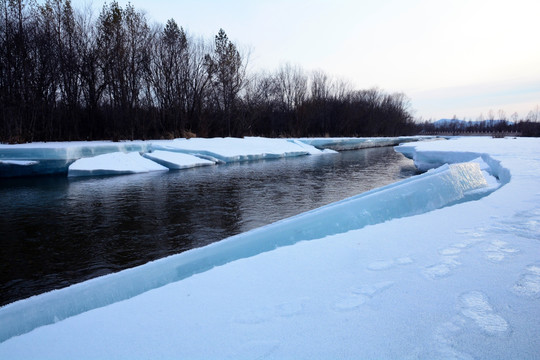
[{"x": 56, "y": 231}]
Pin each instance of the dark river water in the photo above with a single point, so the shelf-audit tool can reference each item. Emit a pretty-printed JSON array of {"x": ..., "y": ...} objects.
[{"x": 56, "y": 231}]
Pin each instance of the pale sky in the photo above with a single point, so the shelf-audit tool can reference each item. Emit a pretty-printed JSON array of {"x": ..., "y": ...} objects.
[{"x": 450, "y": 57}]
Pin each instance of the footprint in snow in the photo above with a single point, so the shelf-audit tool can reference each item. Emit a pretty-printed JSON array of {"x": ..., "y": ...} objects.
[
  {"x": 254, "y": 316},
  {"x": 529, "y": 282},
  {"x": 381, "y": 265},
  {"x": 449, "y": 260},
  {"x": 258, "y": 349},
  {"x": 350, "y": 302},
  {"x": 372, "y": 290},
  {"x": 475, "y": 306},
  {"x": 444, "y": 335},
  {"x": 442, "y": 269},
  {"x": 257, "y": 316},
  {"x": 387, "y": 264},
  {"x": 360, "y": 295},
  {"x": 289, "y": 309},
  {"x": 497, "y": 251},
  {"x": 450, "y": 251}
]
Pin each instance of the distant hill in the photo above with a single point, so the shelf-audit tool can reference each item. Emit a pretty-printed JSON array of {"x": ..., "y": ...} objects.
[{"x": 464, "y": 124}]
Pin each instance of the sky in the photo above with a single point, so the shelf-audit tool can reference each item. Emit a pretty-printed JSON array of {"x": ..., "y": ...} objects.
[{"x": 450, "y": 57}]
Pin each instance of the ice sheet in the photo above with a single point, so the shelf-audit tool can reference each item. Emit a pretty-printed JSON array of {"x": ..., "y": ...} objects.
[
  {"x": 236, "y": 149},
  {"x": 175, "y": 160},
  {"x": 360, "y": 143},
  {"x": 56, "y": 157},
  {"x": 113, "y": 164}
]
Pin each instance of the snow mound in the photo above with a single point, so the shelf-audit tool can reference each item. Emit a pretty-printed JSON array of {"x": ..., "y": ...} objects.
[{"x": 113, "y": 164}]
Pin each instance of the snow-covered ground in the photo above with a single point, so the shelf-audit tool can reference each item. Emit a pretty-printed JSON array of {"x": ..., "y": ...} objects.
[{"x": 458, "y": 282}]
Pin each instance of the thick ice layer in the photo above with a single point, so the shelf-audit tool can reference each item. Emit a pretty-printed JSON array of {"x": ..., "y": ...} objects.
[
  {"x": 54, "y": 158},
  {"x": 449, "y": 184},
  {"x": 236, "y": 149},
  {"x": 429, "y": 159},
  {"x": 113, "y": 164},
  {"x": 68, "y": 150},
  {"x": 358, "y": 143},
  {"x": 175, "y": 160},
  {"x": 19, "y": 162}
]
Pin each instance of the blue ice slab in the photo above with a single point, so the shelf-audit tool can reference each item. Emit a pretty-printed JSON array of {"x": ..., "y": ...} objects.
[
  {"x": 447, "y": 185},
  {"x": 426, "y": 160},
  {"x": 359, "y": 143},
  {"x": 55, "y": 158}
]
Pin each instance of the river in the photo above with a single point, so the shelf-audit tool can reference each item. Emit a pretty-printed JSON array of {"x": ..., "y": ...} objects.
[{"x": 56, "y": 231}]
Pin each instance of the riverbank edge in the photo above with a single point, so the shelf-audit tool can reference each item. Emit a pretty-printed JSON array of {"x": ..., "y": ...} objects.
[{"x": 55, "y": 158}]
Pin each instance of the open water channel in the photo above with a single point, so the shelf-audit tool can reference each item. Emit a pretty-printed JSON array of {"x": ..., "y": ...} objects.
[{"x": 56, "y": 231}]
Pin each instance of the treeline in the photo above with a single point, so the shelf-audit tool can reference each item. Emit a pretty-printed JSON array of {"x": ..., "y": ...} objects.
[
  {"x": 65, "y": 75},
  {"x": 528, "y": 126}
]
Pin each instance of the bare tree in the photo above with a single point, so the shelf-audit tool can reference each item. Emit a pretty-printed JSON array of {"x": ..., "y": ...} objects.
[
  {"x": 502, "y": 115},
  {"x": 124, "y": 50},
  {"x": 170, "y": 75},
  {"x": 292, "y": 86},
  {"x": 228, "y": 70}
]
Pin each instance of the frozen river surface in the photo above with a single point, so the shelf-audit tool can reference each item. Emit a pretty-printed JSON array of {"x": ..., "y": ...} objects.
[{"x": 56, "y": 231}]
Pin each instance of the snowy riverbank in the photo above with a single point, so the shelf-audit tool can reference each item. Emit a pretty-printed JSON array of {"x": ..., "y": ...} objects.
[
  {"x": 462, "y": 281},
  {"x": 93, "y": 158}
]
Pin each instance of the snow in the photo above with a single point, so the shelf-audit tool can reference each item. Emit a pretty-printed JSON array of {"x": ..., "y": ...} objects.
[
  {"x": 174, "y": 160},
  {"x": 113, "y": 164},
  {"x": 58, "y": 157},
  {"x": 461, "y": 281},
  {"x": 311, "y": 149},
  {"x": 237, "y": 149},
  {"x": 19, "y": 162}
]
